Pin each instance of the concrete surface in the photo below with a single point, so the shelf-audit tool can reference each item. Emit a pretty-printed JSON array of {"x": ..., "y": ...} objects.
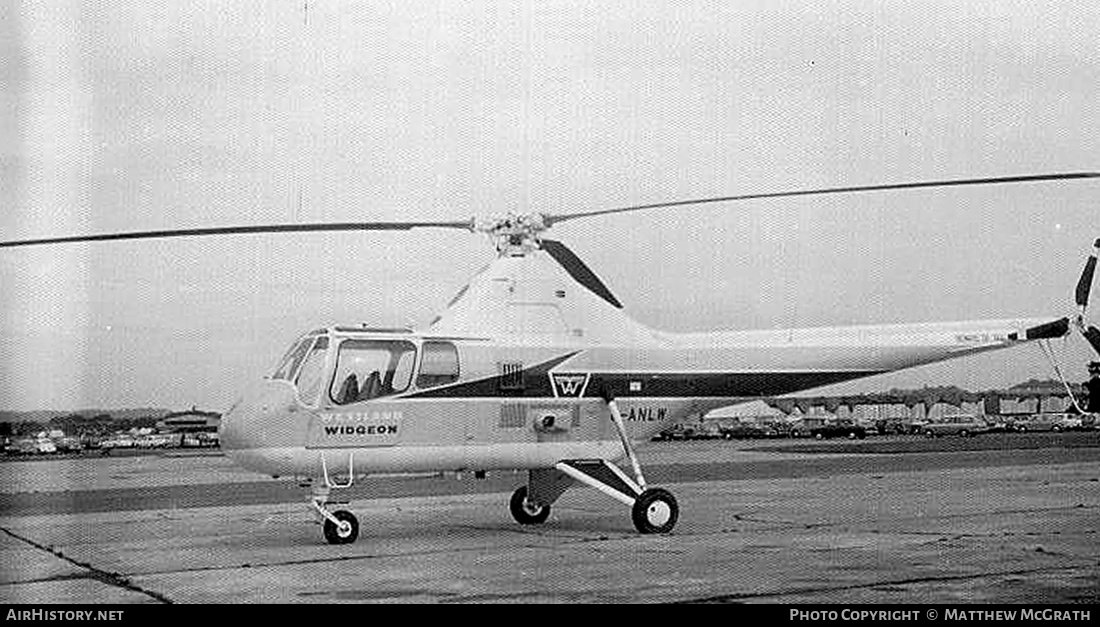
[{"x": 938, "y": 530}]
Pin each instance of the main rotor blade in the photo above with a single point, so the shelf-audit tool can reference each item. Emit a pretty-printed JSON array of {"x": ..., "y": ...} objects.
[
  {"x": 240, "y": 230},
  {"x": 1031, "y": 178},
  {"x": 579, "y": 271}
]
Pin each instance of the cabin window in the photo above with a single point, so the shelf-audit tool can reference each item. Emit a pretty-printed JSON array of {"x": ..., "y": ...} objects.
[
  {"x": 367, "y": 369},
  {"x": 292, "y": 359},
  {"x": 439, "y": 365},
  {"x": 311, "y": 375}
]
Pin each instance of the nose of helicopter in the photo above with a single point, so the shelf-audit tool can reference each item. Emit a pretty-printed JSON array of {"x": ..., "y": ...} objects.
[
  {"x": 258, "y": 419},
  {"x": 228, "y": 432}
]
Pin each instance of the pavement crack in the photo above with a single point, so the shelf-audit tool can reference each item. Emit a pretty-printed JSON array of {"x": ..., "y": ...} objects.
[
  {"x": 727, "y": 598},
  {"x": 312, "y": 560},
  {"x": 117, "y": 580}
]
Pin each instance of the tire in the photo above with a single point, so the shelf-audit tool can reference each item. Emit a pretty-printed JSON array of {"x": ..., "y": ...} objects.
[
  {"x": 333, "y": 533},
  {"x": 525, "y": 512},
  {"x": 819, "y": 435},
  {"x": 655, "y": 511},
  {"x": 964, "y": 433},
  {"x": 930, "y": 433}
]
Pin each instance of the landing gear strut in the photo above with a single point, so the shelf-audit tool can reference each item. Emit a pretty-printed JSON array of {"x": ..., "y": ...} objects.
[
  {"x": 340, "y": 526},
  {"x": 653, "y": 510}
]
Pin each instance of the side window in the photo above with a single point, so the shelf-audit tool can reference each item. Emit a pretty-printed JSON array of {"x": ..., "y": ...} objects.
[
  {"x": 367, "y": 369},
  {"x": 313, "y": 369},
  {"x": 439, "y": 365}
]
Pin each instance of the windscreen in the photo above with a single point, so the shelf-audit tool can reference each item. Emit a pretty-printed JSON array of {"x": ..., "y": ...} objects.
[
  {"x": 292, "y": 359},
  {"x": 311, "y": 374}
]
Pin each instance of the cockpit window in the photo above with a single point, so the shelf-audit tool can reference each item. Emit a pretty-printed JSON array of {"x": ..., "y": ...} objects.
[
  {"x": 311, "y": 375},
  {"x": 367, "y": 369},
  {"x": 291, "y": 360}
]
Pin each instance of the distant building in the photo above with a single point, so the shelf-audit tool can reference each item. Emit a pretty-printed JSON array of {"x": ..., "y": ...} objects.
[
  {"x": 190, "y": 421},
  {"x": 752, "y": 412},
  {"x": 1034, "y": 396},
  {"x": 1029, "y": 397}
]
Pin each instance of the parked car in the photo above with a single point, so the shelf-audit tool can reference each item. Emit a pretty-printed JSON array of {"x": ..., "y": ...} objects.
[
  {"x": 1039, "y": 422},
  {"x": 199, "y": 439},
  {"x": 839, "y": 429},
  {"x": 707, "y": 432},
  {"x": 152, "y": 441},
  {"x": 884, "y": 426},
  {"x": 34, "y": 446},
  {"x": 914, "y": 427},
  {"x": 1060, "y": 422},
  {"x": 69, "y": 444},
  {"x": 740, "y": 430},
  {"x": 776, "y": 429},
  {"x": 121, "y": 441},
  {"x": 1090, "y": 421},
  {"x": 802, "y": 427},
  {"x": 675, "y": 432},
  {"x": 22, "y": 446},
  {"x": 960, "y": 424}
]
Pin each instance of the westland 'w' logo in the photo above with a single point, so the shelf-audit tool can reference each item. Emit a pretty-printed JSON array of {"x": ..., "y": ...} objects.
[{"x": 569, "y": 385}]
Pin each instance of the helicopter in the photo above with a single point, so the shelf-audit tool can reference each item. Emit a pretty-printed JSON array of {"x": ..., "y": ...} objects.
[{"x": 534, "y": 366}]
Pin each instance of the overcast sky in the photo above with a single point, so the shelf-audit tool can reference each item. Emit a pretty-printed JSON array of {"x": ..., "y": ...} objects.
[{"x": 138, "y": 115}]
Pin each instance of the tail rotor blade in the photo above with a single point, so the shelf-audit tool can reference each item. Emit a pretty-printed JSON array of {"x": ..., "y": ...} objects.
[
  {"x": 1084, "y": 285},
  {"x": 1092, "y": 334}
]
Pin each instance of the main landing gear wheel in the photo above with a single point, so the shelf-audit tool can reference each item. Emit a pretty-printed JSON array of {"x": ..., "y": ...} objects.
[
  {"x": 655, "y": 511},
  {"x": 344, "y": 533},
  {"x": 524, "y": 511}
]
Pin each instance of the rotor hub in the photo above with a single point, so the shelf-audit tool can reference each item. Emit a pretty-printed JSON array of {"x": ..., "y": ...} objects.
[{"x": 514, "y": 233}]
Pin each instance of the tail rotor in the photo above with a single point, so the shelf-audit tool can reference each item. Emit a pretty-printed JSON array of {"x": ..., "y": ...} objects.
[{"x": 1084, "y": 287}]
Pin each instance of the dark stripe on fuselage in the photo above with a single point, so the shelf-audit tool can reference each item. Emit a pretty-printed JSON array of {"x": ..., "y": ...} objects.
[
  {"x": 536, "y": 383},
  {"x": 716, "y": 385}
]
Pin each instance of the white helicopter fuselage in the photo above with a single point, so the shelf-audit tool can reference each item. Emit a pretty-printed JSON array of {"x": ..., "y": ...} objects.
[
  {"x": 534, "y": 366},
  {"x": 516, "y": 372}
]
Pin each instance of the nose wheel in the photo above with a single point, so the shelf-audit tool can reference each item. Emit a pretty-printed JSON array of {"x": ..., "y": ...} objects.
[
  {"x": 340, "y": 526},
  {"x": 343, "y": 530}
]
